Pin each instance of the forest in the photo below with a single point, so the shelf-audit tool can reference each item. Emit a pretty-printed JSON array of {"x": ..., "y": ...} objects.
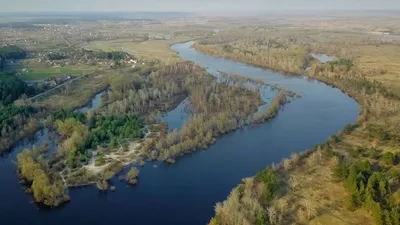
[
  {"x": 11, "y": 88},
  {"x": 10, "y": 52},
  {"x": 112, "y": 129}
]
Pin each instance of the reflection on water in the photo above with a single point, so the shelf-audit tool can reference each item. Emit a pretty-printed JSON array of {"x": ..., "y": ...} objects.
[{"x": 177, "y": 117}]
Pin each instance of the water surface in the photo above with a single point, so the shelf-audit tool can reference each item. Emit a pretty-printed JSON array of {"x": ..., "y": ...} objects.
[{"x": 324, "y": 58}]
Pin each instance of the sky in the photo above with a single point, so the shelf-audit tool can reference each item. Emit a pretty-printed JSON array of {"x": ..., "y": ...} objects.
[{"x": 194, "y": 5}]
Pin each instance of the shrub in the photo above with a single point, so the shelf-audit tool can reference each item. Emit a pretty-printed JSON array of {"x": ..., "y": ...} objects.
[
  {"x": 334, "y": 139},
  {"x": 132, "y": 175},
  {"x": 268, "y": 178},
  {"x": 340, "y": 171},
  {"x": 100, "y": 161},
  {"x": 388, "y": 158}
]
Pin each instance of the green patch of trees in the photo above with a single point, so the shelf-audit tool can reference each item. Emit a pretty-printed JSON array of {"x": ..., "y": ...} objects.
[
  {"x": 65, "y": 114},
  {"x": 268, "y": 178},
  {"x": 106, "y": 129},
  {"x": 11, "y": 88},
  {"x": 15, "y": 123},
  {"x": 347, "y": 63},
  {"x": 10, "y": 115},
  {"x": 370, "y": 189},
  {"x": 11, "y": 52}
]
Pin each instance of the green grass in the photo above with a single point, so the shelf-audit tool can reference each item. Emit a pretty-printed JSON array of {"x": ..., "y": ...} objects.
[{"x": 41, "y": 71}]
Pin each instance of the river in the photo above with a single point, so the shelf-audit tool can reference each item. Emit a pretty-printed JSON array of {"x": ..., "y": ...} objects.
[{"x": 185, "y": 193}]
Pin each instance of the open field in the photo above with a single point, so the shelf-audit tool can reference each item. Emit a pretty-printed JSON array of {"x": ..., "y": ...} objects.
[
  {"x": 79, "y": 92},
  {"x": 152, "y": 49},
  {"x": 385, "y": 60},
  {"x": 41, "y": 71}
]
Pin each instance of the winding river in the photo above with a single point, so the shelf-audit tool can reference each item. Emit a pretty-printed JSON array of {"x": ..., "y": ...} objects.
[{"x": 185, "y": 193}]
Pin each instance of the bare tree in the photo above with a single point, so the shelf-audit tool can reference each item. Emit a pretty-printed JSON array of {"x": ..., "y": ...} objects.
[
  {"x": 293, "y": 183},
  {"x": 272, "y": 214},
  {"x": 310, "y": 208}
]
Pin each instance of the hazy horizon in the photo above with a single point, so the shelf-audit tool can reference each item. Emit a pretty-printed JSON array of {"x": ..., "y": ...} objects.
[{"x": 195, "y": 5}]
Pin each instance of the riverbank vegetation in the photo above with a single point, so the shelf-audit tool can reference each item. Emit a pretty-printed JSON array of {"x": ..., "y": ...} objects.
[
  {"x": 46, "y": 187},
  {"x": 16, "y": 123},
  {"x": 353, "y": 178}
]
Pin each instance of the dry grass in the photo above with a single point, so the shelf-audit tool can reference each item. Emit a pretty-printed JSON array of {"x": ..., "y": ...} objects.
[
  {"x": 152, "y": 49},
  {"x": 385, "y": 60},
  {"x": 81, "y": 91},
  {"x": 315, "y": 184}
]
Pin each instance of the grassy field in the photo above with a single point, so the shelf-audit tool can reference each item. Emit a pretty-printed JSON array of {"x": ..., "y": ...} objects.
[
  {"x": 81, "y": 91},
  {"x": 385, "y": 60},
  {"x": 41, "y": 71},
  {"x": 152, "y": 49}
]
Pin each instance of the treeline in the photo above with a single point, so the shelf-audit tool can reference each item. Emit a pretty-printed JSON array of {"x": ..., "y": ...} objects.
[
  {"x": 10, "y": 52},
  {"x": 46, "y": 187},
  {"x": 247, "y": 203},
  {"x": 113, "y": 55},
  {"x": 370, "y": 189},
  {"x": 16, "y": 122},
  {"x": 11, "y": 88},
  {"x": 272, "y": 53},
  {"x": 80, "y": 54}
]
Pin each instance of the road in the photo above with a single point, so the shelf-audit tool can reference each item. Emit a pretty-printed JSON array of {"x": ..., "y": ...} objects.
[{"x": 58, "y": 86}]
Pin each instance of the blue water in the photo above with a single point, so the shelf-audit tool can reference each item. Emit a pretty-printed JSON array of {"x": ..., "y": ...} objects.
[
  {"x": 185, "y": 193},
  {"x": 94, "y": 103},
  {"x": 323, "y": 57},
  {"x": 177, "y": 117}
]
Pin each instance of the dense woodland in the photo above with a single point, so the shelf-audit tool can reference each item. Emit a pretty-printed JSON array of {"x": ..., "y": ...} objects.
[
  {"x": 11, "y": 88},
  {"x": 17, "y": 122},
  {"x": 10, "y": 52}
]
